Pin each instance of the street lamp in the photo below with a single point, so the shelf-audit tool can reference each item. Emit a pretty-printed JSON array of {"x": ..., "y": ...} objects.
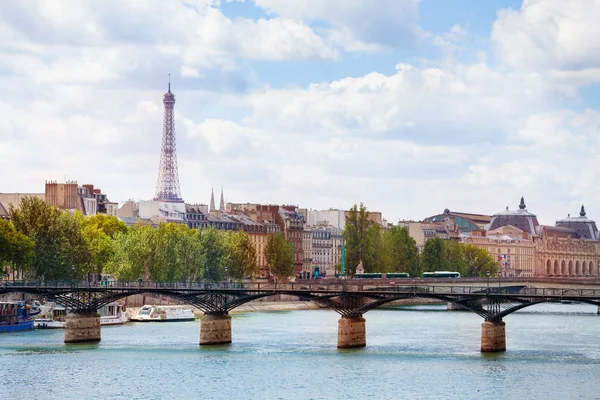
[{"x": 488, "y": 282}]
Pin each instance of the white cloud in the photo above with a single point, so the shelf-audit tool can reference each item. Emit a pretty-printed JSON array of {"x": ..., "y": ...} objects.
[
  {"x": 549, "y": 34},
  {"x": 356, "y": 24}
]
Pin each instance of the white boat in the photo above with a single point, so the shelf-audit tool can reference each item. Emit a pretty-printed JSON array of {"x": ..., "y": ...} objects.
[
  {"x": 164, "y": 314},
  {"x": 53, "y": 316}
]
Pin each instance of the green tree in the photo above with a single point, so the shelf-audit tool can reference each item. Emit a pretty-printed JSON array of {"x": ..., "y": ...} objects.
[
  {"x": 165, "y": 265},
  {"x": 213, "y": 254},
  {"x": 402, "y": 252},
  {"x": 134, "y": 253},
  {"x": 453, "y": 256},
  {"x": 478, "y": 262},
  {"x": 60, "y": 251},
  {"x": 279, "y": 256},
  {"x": 188, "y": 254},
  {"x": 242, "y": 256},
  {"x": 432, "y": 258},
  {"x": 373, "y": 253},
  {"x": 16, "y": 249},
  {"x": 355, "y": 235}
]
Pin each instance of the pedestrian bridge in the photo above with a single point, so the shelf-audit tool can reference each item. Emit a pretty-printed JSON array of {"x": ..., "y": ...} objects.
[{"x": 351, "y": 299}]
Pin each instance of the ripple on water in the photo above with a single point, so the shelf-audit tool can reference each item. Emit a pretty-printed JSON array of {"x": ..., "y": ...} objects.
[{"x": 416, "y": 353}]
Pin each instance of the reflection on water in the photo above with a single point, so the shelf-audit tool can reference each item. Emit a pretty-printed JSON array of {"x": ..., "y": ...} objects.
[{"x": 412, "y": 352}]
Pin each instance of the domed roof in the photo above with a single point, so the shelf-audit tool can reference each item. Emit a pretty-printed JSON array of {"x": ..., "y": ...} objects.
[
  {"x": 584, "y": 226},
  {"x": 521, "y": 219}
]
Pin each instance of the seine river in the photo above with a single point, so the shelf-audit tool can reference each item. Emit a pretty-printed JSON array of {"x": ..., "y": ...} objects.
[{"x": 421, "y": 352}]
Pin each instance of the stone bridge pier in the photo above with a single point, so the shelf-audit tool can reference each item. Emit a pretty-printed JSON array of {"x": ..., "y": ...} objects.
[
  {"x": 82, "y": 327},
  {"x": 493, "y": 336},
  {"x": 351, "y": 332},
  {"x": 215, "y": 328}
]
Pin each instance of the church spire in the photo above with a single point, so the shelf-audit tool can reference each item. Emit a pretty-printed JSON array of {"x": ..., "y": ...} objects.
[
  {"x": 582, "y": 212},
  {"x": 212, "y": 200},
  {"x": 522, "y": 205},
  {"x": 222, "y": 202}
]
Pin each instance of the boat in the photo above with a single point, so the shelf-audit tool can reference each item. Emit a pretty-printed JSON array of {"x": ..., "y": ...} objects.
[
  {"x": 15, "y": 316},
  {"x": 164, "y": 314},
  {"x": 53, "y": 316}
]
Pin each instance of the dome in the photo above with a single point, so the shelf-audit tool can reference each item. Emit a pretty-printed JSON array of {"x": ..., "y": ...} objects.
[
  {"x": 585, "y": 227},
  {"x": 521, "y": 219}
]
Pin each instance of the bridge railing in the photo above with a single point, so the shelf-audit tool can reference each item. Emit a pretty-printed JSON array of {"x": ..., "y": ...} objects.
[{"x": 312, "y": 286}]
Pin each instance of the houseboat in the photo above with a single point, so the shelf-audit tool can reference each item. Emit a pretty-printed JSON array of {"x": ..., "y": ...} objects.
[{"x": 15, "y": 316}]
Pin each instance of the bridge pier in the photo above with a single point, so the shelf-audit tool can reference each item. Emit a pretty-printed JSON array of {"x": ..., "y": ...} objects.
[
  {"x": 82, "y": 328},
  {"x": 351, "y": 332},
  {"x": 454, "y": 307},
  {"x": 598, "y": 311},
  {"x": 493, "y": 337},
  {"x": 215, "y": 329}
]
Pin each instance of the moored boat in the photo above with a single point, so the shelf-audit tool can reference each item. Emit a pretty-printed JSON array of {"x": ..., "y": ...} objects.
[
  {"x": 15, "y": 316},
  {"x": 164, "y": 314},
  {"x": 53, "y": 316}
]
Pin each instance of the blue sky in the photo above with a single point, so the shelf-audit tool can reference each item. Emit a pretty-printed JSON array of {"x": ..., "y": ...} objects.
[{"x": 408, "y": 106}]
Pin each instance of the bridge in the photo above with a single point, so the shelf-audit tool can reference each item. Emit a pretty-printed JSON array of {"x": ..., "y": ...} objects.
[{"x": 349, "y": 298}]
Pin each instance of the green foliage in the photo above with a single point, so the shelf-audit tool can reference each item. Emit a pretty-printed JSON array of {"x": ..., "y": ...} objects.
[
  {"x": 242, "y": 256},
  {"x": 478, "y": 262},
  {"x": 213, "y": 255},
  {"x": 133, "y": 253},
  {"x": 16, "y": 249},
  {"x": 279, "y": 256},
  {"x": 355, "y": 236},
  {"x": 401, "y": 252},
  {"x": 60, "y": 251},
  {"x": 433, "y": 255},
  {"x": 374, "y": 258}
]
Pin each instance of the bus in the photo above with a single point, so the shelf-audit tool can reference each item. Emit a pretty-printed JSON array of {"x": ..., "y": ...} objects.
[
  {"x": 378, "y": 275},
  {"x": 397, "y": 275},
  {"x": 441, "y": 274},
  {"x": 369, "y": 275}
]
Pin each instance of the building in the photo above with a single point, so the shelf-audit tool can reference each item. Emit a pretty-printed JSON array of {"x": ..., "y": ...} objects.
[
  {"x": 307, "y": 259},
  {"x": 513, "y": 249},
  {"x": 6, "y": 199},
  {"x": 464, "y": 222},
  {"x": 571, "y": 248},
  {"x": 322, "y": 245},
  {"x": 86, "y": 198}
]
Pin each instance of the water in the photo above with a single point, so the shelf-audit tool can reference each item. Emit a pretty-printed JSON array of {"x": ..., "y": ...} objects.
[{"x": 419, "y": 352}]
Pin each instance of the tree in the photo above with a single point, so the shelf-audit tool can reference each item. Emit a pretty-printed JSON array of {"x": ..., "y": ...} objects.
[
  {"x": 188, "y": 255},
  {"x": 213, "y": 254},
  {"x": 165, "y": 264},
  {"x": 134, "y": 253},
  {"x": 453, "y": 257},
  {"x": 478, "y": 262},
  {"x": 279, "y": 255},
  {"x": 401, "y": 251},
  {"x": 374, "y": 258},
  {"x": 100, "y": 232},
  {"x": 433, "y": 255},
  {"x": 355, "y": 235},
  {"x": 16, "y": 249},
  {"x": 242, "y": 256},
  {"x": 60, "y": 250}
]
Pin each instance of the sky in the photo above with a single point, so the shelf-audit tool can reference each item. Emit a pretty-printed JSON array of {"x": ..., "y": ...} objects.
[{"x": 409, "y": 106}]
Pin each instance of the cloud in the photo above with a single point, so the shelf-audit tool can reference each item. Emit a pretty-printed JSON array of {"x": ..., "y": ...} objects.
[
  {"x": 549, "y": 34},
  {"x": 356, "y": 25}
]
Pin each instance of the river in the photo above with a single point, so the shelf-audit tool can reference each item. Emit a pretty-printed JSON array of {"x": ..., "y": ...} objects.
[{"x": 418, "y": 352}]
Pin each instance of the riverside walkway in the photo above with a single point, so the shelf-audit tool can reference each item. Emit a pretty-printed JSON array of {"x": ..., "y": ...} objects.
[{"x": 350, "y": 298}]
